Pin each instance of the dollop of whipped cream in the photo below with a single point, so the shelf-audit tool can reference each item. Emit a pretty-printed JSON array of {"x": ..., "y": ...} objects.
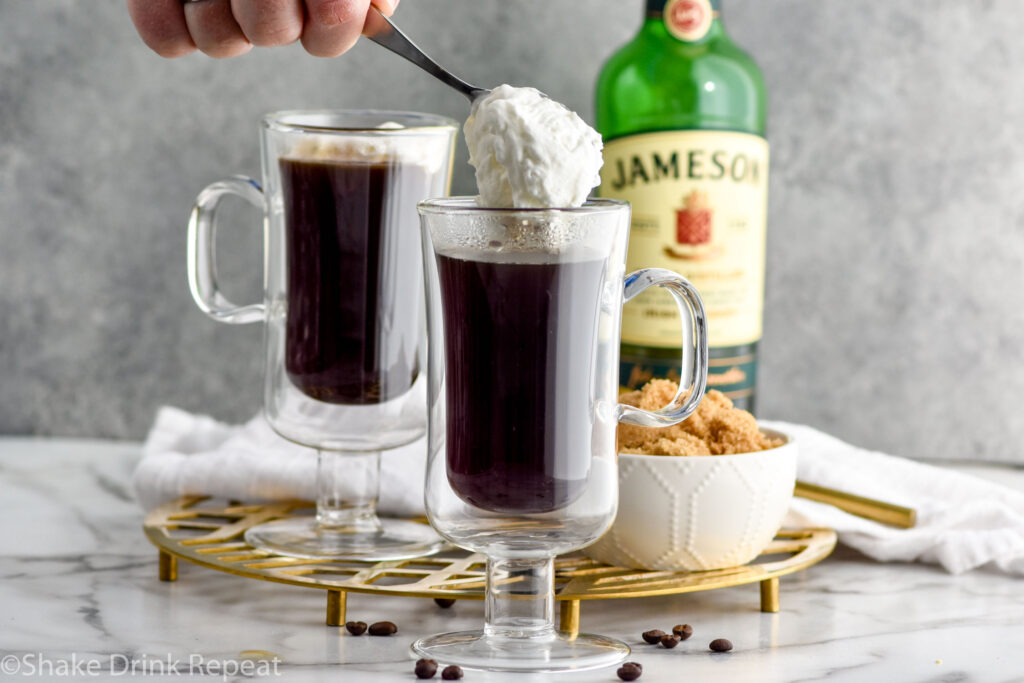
[{"x": 530, "y": 151}]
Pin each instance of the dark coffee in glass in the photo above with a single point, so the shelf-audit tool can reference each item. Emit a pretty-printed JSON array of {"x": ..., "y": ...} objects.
[
  {"x": 354, "y": 318},
  {"x": 520, "y": 338}
]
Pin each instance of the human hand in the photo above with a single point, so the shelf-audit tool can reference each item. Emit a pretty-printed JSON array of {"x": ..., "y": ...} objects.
[{"x": 227, "y": 28}]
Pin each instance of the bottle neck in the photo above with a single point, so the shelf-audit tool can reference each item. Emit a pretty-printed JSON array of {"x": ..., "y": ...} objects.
[
  {"x": 656, "y": 7},
  {"x": 688, "y": 21}
]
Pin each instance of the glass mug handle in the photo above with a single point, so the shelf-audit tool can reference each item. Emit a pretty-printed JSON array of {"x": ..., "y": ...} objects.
[
  {"x": 691, "y": 307},
  {"x": 202, "y": 266}
]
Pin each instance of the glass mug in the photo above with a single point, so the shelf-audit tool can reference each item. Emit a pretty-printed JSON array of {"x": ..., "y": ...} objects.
[
  {"x": 343, "y": 308},
  {"x": 523, "y": 311}
]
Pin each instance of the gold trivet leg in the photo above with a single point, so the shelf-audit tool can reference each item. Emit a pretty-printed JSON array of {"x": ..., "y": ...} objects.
[
  {"x": 569, "y": 619},
  {"x": 168, "y": 567},
  {"x": 336, "y": 608},
  {"x": 770, "y": 595}
]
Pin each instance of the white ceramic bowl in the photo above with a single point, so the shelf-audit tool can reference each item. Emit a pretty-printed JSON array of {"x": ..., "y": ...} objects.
[{"x": 698, "y": 512}]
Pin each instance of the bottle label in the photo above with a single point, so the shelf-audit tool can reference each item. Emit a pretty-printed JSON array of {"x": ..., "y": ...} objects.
[
  {"x": 688, "y": 20},
  {"x": 733, "y": 374},
  {"x": 699, "y": 201}
]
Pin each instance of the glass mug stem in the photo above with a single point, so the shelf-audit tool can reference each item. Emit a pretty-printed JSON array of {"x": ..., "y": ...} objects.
[
  {"x": 520, "y": 599},
  {"x": 348, "y": 485}
]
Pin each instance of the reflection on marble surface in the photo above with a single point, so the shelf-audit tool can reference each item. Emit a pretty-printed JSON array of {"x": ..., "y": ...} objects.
[{"x": 78, "y": 579}]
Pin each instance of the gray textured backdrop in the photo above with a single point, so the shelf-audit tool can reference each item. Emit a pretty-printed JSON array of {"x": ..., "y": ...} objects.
[{"x": 894, "y": 312}]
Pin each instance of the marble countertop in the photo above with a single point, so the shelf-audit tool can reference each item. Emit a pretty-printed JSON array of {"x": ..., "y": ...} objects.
[{"x": 79, "y": 584}]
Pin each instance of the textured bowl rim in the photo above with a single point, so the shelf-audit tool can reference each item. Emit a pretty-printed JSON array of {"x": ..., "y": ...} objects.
[{"x": 790, "y": 440}]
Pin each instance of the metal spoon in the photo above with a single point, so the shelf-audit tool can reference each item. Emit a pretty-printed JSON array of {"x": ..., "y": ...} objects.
[{"x": 383, "y": 31}]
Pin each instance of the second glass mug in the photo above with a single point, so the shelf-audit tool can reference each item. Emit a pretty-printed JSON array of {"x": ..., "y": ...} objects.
[
  {"x": 524, "y": 312},
  {"x": 343, "y": 309}
]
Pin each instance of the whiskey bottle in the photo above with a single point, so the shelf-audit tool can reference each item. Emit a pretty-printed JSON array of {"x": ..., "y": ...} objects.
[{"x": 682, "y": 112}]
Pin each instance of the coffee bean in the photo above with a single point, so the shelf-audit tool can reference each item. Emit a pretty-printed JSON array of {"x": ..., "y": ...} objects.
[
  {"x": 684, "y": 631},
  {"x": 630, "y": 671},
  {"x": 356, "y": 628},
  {"x": 425, "y": 668},
  {"x": 444, "y": 603},
  {"x": 383, "y": 628},
  {"x": 669, "y": 642},
  {"x": 451, "y": 673},
  {"x": 720, "y": 645},
  {"x": 652, "y": 637}
]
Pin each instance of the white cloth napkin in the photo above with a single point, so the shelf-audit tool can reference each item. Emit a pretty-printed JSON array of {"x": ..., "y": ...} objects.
[
  {"x": 187, "y": 454},
  {"x": 963, "y": 522}
]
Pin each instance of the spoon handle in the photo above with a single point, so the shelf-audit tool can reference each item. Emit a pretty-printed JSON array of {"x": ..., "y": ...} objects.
[
  {"x": 868, "y": 508},
  {"x": 382, "y": 31}
]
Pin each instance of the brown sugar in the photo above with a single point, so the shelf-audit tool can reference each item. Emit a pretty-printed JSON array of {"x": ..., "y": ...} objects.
[{"x": 715, "y": 428}]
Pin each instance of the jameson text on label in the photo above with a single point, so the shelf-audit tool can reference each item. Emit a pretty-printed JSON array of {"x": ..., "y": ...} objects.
[{"x": 699, "y": 201}]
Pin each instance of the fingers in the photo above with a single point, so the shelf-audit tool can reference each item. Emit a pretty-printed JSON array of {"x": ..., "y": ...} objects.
[
  {"x": 333, "y": 26},
  {"x": 214, "y": 29},
  {"x": 387, "y": 7},
  {"x": 161, "y": 25},
  {"x": 269, "y": 23},
  {"x": 226, "y": 28}
]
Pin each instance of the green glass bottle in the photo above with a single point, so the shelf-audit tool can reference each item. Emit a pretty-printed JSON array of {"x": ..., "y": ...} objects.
[{"x": 682, "y": 112}]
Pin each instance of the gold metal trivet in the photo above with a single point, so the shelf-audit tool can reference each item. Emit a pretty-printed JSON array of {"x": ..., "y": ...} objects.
[{"x": 210, "y": 533}]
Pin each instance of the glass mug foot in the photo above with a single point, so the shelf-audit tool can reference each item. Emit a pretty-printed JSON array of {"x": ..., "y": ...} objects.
[
  {"x": 555, "y": 651},
  {"x": 304, "y": 537}
]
